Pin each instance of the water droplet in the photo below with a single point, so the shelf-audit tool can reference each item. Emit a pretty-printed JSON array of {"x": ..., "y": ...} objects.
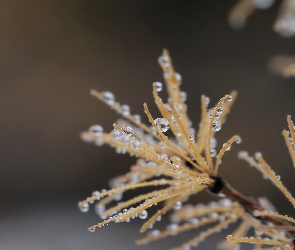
[
  {"x": 96, "y": 129},
  {"x": 165, "y": 60},
  {"x": 141, "y": 162},
  {"x": 96, "y": 193},
  {"x": 213, "y": 142},
  {"x": 176, "y": 161},
  {"x": 224, "y": 144},
  {"x": 183, "y": 96},
  {"x": 154, "y": 233},
  {"x": 159, "y": 86},
  {"x": 229, "y": 98},
  {"x": 92, "y": 229},
  {"x": 212, "y": 204},
  {"x": 137, "y": 118},
  {"x": 207, "y": 100},
  {"x": 225, "y": 202},
  {"x": 127, "y": 130},
  {"x": 116, "y": 135},
  {"x": 216, "y": 125},
  {"x": 99, "y": 208},
  {"x": 258, "y": 232},
  {"x": 238, "y": 140},
  {"x": 136, "y": 145},
  {"x": 84, "y": 208},
  {"x": 159, "y": 218},
  {"x": 213, "y": 152},
  {"x": 194, "y": 220},
  {"x": 178, "y": 77},
  {"x": 257, "y": 154},
  {"x": 278, "y": 177},
  {"x": 256, "y": 213},
  {"x": 125, "y": 109},
  {"x": 109, "y": 97},
  {"x": 173, "y": 227},
  {"x": 243, "y": 154},
  {"x": 162, "y": 124},
  {"x": 195, "y": 244},
  {"x": 178, "y": 205},
  {"x": 220, "y": 110},
  {"x": 99, "y": 142},
  {"x": 143, "y": 214},
  {"x": 191, "y": 137}
]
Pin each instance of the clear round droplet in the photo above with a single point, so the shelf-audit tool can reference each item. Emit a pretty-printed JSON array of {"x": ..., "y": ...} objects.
[
  {"x": 213, "y": 152},
  {"x": 136, "y": 145},
  {"x": 192, "y": 138},
  {"x": 127, "y": 130},
  {"x": 125, "y": 109},
  {"x": 224, "y": 144},
  {"x": 178, "y": 77},
  {"x": 183, "y": 96},
  {"x": 177, "y": 205},
  {"x": 99, "y": 142},
  {"x": 143, "y": 214},
  {"x": 220, "y": 110},
  {"x": 162, "y": 124},
  {"x": 159, "y": 218},
  {"x": 165, "y": 60},
  {"x": 84, "y": 208},
  {"x": 229, "y": 98},
  {"x": 96, "y": 193},
  {"x": 137, "y": 118},
  {"x": 154, "y": 233},
  {"x": 242, "y": 154},
  {"x": 176, "y": 161},
  {"x": 216, "y": 125},
  {"x": 116, "y": 135},
  {"x": 109, "y": 97},
  {"x": 173, "y": 227},
  {"x": 238, "y": 140},
  {"x": 213, "y": 142},
  {"x": 159, "y": 86},
  {"x": 96, "y": 129},
  {"x": 91, "y": 229}
]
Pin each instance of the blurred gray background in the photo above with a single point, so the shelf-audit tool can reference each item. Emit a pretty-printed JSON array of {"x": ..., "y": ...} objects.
[{"x": 52, "y": 52}]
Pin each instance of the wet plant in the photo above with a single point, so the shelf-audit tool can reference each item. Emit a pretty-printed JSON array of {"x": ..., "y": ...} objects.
[{"x": 183, "y": 165}]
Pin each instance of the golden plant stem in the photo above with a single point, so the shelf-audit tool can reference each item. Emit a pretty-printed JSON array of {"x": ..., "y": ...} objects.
[{"x": 250, "y": 205}]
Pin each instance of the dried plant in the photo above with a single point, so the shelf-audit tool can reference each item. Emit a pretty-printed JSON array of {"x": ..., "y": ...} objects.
[{"x": 177, "y": 168}]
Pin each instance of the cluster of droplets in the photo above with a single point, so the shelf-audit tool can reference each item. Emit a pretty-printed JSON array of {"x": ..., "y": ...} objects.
[
  {"x": 216, "y": 124},
  {"x": 110, "y": 99},
  {"x": 126, "y": 137},
  {"x": 291, "y": 139}
]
